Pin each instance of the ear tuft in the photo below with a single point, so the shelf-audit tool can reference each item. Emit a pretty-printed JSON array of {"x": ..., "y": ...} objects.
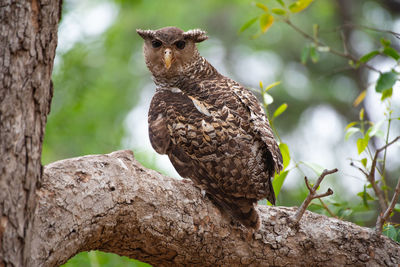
[
  {"x": 196, "y": 35},
  {"x": 146, "y": 34}
]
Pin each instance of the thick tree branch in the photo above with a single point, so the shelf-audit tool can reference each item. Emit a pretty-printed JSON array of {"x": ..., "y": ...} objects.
[{"x": 112, "y": 203}]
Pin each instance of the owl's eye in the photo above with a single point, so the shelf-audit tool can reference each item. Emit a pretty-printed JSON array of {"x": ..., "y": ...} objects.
[
  {"x": 156, "y": 43},
  {"x": 180, "y": 44}
]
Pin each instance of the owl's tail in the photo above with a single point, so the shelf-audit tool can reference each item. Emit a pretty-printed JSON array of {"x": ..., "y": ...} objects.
[{"x": 241, "y": 209}]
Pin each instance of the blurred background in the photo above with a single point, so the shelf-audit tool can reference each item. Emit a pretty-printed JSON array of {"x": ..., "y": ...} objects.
[{"x": 102, "y": 88}]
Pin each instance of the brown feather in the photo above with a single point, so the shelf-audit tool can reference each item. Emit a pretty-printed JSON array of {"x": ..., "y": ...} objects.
[{"x": 213, "y": 130}]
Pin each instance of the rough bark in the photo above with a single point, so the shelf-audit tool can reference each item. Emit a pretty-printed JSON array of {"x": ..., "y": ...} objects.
[
  {"x": 112, "y": 203},
  {"x": 28, "y": 39}
]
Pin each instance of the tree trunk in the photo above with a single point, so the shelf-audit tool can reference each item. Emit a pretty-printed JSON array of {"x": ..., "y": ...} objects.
[
  {"x": 112, "y": 203},
  {"x": 28, "y": 39}
]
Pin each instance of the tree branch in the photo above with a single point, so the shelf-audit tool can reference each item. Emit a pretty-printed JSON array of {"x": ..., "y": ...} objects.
[
  {"x": 327, "y": 208},
  {"x": 312, "y": 195},
  {"x": 371, "y": 176},
  {"x": 112, "y": 203},
  {"x": 351, "y": 25},
  {"x": 382, "y": 218},
  {"x": 331, "y": 50}
]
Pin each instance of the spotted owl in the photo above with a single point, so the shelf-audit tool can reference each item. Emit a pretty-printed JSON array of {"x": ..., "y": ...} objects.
[{"x": 213, "y": 129}]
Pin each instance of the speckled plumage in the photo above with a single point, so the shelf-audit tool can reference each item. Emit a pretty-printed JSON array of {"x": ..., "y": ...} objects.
[{"x": 212, "y": 128}]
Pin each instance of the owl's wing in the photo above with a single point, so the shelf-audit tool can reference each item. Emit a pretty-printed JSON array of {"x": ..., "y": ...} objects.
[
  {"x": 260, "y": 122},
  {"x": 176, "y": 129},
  {"x": 158, "y": 132}
]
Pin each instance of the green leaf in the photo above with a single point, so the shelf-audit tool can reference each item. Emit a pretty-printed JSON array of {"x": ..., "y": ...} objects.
[
  {"x": 397, "y": 207},
  {"x": 304, "y": 54},
  {"x": 268, "y": 99},
  {"x": 285, "y": 154},
  {"x": 361, "y": 114},
  {"x": 362, "y": 144},
  {"x": 314, "y": 54},
  {"x": 384, "y": 187},
  {"x": 360, "y": 98},
  {"x": 248, "y": 24},
  {"x": 278, "y": 182},
  {"x": 318, "y": 169},
  {"x": 365, "y": 196},
  {"x": 390, "y": 231},
  {"x": 281, "y": 2},
  {"x": 364, "y": 162},
  {"x": 386, "y": 93},
  {"x": 385, "y": 42},
  {"x": 386, "y": 81},
  {"x": 367, "y": 57},
  {"x": 266, "y": 21},
  {"x": 344, "y": 213},
  {"x": 351, "y": 124},
  {"x": 391, "y": 52},
  {"x": 272, "y": 85},
  {"x": 350, "y": 132},
  {"x": 278, "y": 11},
  {"x": 354, "y": 64},
  {"x": 299, "y": 5},
  {"x": 374, "y": 129},
  {"x": 262, "y": 6},
  {"x": 315, "y": 31},
  {"x": 280, "y": 110}
]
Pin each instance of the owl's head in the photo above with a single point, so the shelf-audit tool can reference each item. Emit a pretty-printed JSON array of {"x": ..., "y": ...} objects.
[{"x": 168, "y": 51}]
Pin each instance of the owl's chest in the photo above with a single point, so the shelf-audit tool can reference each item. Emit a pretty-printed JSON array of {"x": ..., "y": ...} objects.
[{"x": 203, "y": 122}]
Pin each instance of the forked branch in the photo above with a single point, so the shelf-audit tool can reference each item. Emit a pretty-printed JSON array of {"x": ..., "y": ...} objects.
[
  {"x": 371, "y": 175},
  {"x": 382, "y": 218},
  {"x": 313, "y": 193}
]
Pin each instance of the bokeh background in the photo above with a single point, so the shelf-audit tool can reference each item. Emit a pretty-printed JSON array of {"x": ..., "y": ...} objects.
[{"x": 103, "y": 89}]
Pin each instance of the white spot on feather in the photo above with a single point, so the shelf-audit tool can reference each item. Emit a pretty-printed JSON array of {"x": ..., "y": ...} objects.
[
  {"x": 175, "y": 90},
  {"x": 200, "y": 106}
]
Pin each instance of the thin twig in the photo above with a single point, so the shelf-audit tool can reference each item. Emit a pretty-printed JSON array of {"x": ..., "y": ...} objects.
[
  {"x": 345, "y": 50},
  {"x": 361, "y": 170},
  {"x": 382, "y": 218},
  {"x": 331, "y": 50},
  {"x": 371, "y": 176},
  {"x": 327, "y": 208},
  {"x": 385, "y": 153},
  {"x": 312, "y": 195},
  {"x": 395, "y": 34}
]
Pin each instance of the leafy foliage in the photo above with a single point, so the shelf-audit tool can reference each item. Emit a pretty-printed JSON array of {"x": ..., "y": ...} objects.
[
  {"x": 392, "y": 231},
  {"x": 366, "y": 130}
]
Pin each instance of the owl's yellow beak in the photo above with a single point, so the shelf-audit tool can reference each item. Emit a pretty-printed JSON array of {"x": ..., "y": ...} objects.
[{"x": 167, "y": 58}]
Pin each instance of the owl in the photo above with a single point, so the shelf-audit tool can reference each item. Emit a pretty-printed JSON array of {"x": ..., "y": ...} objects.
[{"x": 213, "y": 129}]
